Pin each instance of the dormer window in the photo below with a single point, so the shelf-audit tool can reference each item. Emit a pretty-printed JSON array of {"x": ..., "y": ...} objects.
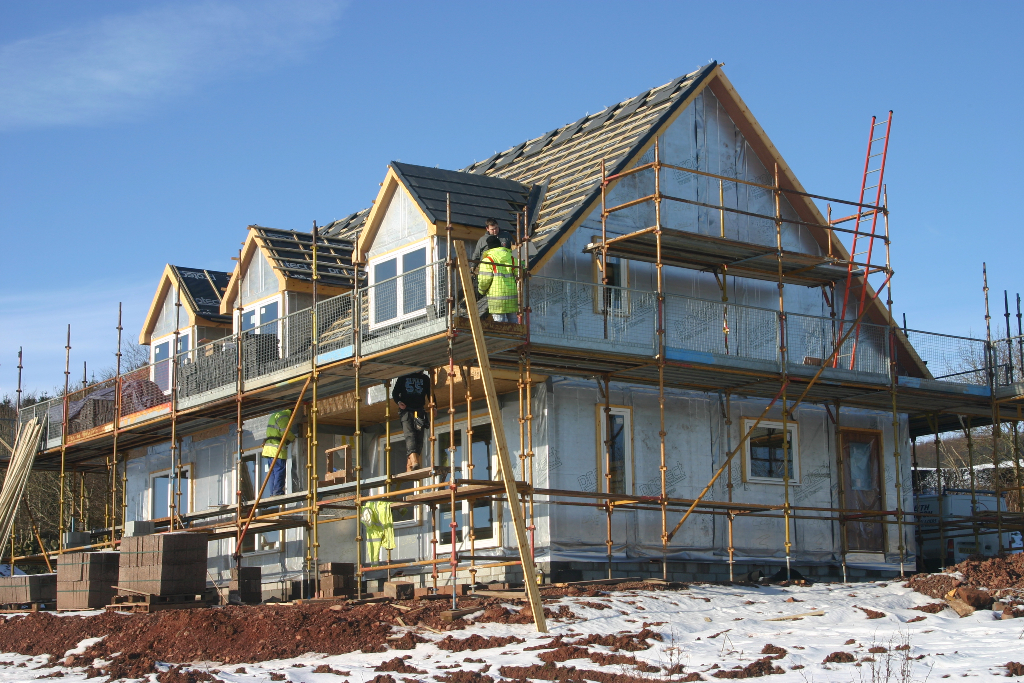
[{"x": 399, "y": 285}]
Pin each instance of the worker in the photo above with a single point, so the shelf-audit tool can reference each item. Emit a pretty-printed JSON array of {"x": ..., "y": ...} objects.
[
  {"x": 410, "y": 392},
  {"x": 497, "y": 281},
  {"x": 275, "y": 446},
  {"x": 492, "y": 231}
]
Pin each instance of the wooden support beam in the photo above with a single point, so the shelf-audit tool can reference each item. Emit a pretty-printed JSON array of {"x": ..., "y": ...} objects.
[{"x": 501, "y": 445}]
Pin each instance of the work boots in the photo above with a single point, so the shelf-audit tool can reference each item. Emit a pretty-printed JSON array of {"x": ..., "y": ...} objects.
[{"x": 412, "y": 462}]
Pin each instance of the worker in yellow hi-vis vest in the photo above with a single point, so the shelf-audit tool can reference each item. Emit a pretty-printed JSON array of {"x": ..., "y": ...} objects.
[{"x": 278, "y": 434}]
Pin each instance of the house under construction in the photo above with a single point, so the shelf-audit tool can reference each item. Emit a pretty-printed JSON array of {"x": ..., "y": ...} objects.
[{"x": 706, "y": 378}]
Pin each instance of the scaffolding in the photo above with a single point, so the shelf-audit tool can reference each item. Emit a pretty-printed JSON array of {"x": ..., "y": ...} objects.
[{"x": 331, "y": 349}]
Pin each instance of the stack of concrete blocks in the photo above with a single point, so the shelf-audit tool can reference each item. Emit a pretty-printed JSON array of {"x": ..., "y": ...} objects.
[
  {"x": 337, "y": 579},
  {"x": 28, "y": 588},
  {"x": 163, "y": 564},
  {"x": 246, "y": 587},
  {"x": 87, "y": 580}
]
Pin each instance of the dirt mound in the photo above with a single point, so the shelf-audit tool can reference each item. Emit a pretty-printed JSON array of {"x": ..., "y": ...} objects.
[
  {"x": 1014, "y": 669},
  {"x": 931, "y": 607},
  {"x": 230, "y": 634},
  {"x": 475, "y": 642},
  {"x": 567, "y": 652},
  {"x": 761, "y": 667},
  {"x": 839, "y": 657},
  {"x": 553, "y": 672},
  {"x": 994, "y": 573},
  {"x": 465, "y": 676},
  {"x": 398, "y": 666},
  {"x": 871, "y": 613},
  {"x": 774, "y": 650}
]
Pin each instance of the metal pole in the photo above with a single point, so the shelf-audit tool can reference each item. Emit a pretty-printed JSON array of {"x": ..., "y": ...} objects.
[
  {"x": 786, "y": 460},
  {"x": 844, "y": 538},
  {"x": 893, "y": 383},
  {"x": 997, "y": 483},
  {"x": 117, "y": 431},
  {"x": 64, "y": 437},
  {"x": 312, "y": 462},
  {"x": 608, "y": 468},
  {"x": 974, "y": 493},
  {"x": 174, "y": 499},
  {"x": 239, "y": 388},
  {"x": 357, "y": 315},
  {"x": 467, "y": 454},
  {"x": 660, "y": 282}
]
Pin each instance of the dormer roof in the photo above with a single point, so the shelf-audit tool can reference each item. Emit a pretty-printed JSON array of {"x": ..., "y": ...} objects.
[{"x": 201, "y": 292}]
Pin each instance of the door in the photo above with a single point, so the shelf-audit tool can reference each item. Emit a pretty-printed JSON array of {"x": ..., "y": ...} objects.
[
  {"x": 862, "y": 477},
  {"x": 483, "y": 518}
]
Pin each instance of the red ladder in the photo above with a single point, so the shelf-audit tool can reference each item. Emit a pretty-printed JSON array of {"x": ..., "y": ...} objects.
[{"x": 863, "y": 218}]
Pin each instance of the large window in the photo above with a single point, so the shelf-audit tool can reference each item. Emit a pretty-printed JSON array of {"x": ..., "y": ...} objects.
[
  {"x": 765, "y": 456},
  {"x": 399, "y": 286},
  {"x": 617, "y": 442},
  {"x": 484, "y": 522},
  {"x": 254, "y": 472}
]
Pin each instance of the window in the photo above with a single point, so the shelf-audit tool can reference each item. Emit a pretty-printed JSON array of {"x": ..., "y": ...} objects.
[
  {"x": 163, "y": 486},
  {"x": 764, "y": 452},
  {"x": 261, "y": 319},
  {"x": 619, "y": 445},
  {"x": 162, "y": 360},
  {"x": 612, "y": 298},
  {"x": 484, "y": 518},
  {"x": 401, "y": 514},
  {"x": 254, "y": 471},
  {"x": 399, "y": 287}
]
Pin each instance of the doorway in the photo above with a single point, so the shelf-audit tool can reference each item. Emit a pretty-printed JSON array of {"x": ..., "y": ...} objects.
[{"x": 862, "y": 480}]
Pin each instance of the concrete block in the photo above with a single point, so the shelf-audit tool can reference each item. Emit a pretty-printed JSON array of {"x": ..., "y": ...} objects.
[
  {"x": 245, "y": 586},
  {"x": 399, "y": 590},
  {"x": 337, "y": 568},
  {"x": 139, "y": 528},
  {"x": 16, "y": 590},
  {"x": 164, "y": 564},
  {"x": 77, "y": 539}
]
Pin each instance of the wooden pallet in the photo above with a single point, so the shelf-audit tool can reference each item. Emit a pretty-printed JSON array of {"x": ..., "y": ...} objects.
[
  {"x": 14, "y": 608},
  {"x": 146, "y": 602}
]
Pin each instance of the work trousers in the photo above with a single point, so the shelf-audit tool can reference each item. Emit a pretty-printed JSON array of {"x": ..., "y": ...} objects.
[
  {"x": 275, "y": 487},
  {"x": 413, "y": 434}
]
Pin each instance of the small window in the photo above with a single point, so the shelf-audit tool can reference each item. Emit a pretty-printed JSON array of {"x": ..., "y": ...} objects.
[
  {"x": 618, "y": 442},
  {"x": 399, "y": 288},
  {"x": 764, "y": 450},
  {"x": 162, "y": 365},
  {"x": 163, "y": 487},
  {"x": 612, "y": 297}
]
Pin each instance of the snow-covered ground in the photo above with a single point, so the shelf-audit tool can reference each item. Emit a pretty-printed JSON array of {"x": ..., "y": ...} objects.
[{"x": 700, "y": 627}]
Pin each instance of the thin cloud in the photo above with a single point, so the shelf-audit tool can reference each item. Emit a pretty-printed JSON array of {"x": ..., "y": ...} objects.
[{"x": 121, "y": 64}]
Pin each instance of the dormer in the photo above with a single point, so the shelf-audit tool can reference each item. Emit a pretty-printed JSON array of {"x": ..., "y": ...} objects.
[
  {"x": 274, "y": 276},
  {"x": 406, "y": 231},
  {"x": 198, "y": 321}
]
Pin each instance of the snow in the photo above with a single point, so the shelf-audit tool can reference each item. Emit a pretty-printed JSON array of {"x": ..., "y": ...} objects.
[{"x": 701, "y": 626}]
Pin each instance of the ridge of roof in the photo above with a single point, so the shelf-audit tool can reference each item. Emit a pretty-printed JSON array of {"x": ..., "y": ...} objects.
[{"x": 566, "y": 160}]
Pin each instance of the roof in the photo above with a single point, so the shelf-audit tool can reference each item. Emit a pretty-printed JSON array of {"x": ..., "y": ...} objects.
[
  {"x": 202, "y": 290},
  {"x": 291, "y": 253},
  {"x": 564, "y": 164},
  {"x": 346, "y": 228},
  {"x": 474, "y": 198},
  {"x": 569, "y": 158}
]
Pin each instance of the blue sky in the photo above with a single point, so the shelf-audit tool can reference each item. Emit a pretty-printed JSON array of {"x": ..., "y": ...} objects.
[{"x": 134, "y": 134}]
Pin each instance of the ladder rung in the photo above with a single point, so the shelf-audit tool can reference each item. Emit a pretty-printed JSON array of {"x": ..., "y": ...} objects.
[
  {"x": 880, "y": 123},
  {"x": 876, "y": 155},
  {"x": 874, "y": 170},
  {"x": 870, "y": 188},
  {"x": 877, "y": 139}
]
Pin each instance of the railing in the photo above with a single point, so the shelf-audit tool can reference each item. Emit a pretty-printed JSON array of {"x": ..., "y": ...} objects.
[
  {"x": 626, "y": 320},
  {"x": 413, "y": 306}
]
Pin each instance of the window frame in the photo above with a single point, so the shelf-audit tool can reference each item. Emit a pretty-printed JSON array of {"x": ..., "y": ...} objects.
[
  {"x": 601, "y": 431},
  {"x": 169, "y": 472},
  {"x": 427, "y": 245},
  {"x": 184, "y": 336},
  {"x": 625, "y": 306},
  {"x": 495, "y": 540},
  {"x": 257, "y": 453},
  {"x": 380, "y": 444},
  {"x": 793, "y": 428}
]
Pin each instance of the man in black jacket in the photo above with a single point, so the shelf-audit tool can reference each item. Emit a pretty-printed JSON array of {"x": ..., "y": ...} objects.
[
  {"x": 492, "y": 229},
  {"x": 410, "y": 392}
]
